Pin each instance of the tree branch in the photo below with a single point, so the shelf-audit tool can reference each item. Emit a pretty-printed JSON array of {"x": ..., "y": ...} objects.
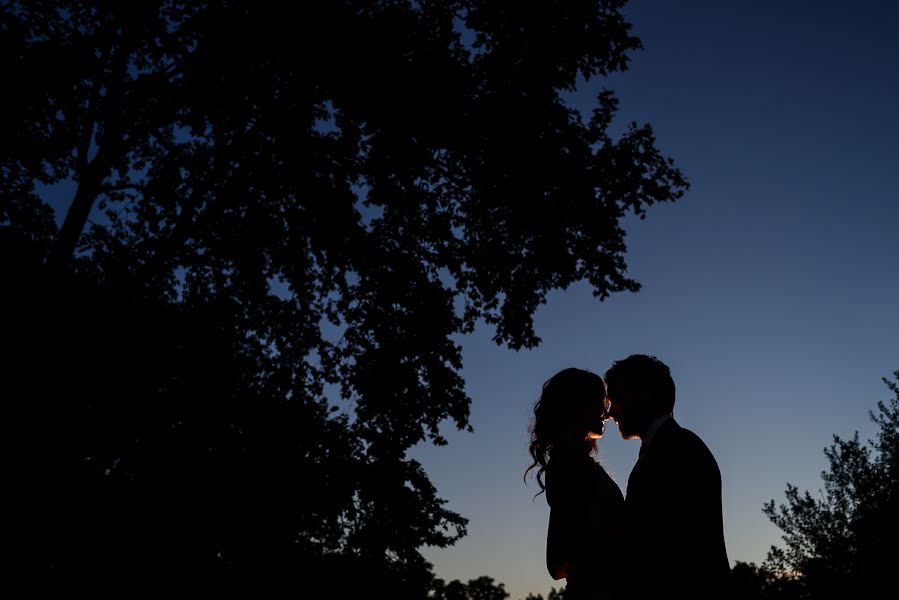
[{"x": 97, "y": 170}]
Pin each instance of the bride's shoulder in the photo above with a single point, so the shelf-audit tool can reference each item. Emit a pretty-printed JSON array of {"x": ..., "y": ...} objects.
[
  {"x": 570, "y": 469},
  {"x": 566, "y": 460}
]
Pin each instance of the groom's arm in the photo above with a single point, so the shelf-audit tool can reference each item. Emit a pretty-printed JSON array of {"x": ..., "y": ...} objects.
[{"x": 684, "y": 504}]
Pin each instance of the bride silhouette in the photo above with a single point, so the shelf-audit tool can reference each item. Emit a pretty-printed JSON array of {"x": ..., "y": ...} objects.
[{"x": 586, "y": 505}]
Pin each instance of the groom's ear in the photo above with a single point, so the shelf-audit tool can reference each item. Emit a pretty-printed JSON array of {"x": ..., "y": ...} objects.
[
  {"x": 643, "y": 391},
  {"x": 648, "y": 395}
]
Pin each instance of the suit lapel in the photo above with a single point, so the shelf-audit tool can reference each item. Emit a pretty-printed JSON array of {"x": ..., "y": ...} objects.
[
  {"x": 648, "y": 456},
  {"x": 667, "y": 428}
]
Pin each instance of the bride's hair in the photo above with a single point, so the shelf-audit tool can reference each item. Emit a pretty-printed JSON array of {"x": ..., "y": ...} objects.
[{"x": 564, "y": 395}]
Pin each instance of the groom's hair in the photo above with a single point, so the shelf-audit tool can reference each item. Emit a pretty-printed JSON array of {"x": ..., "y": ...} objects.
[{"x": 640, "y": 369}]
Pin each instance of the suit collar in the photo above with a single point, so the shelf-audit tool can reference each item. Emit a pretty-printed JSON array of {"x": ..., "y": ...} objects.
[
  {"x": 654, "y": 428},
  {"x": 661, "y": 434}
]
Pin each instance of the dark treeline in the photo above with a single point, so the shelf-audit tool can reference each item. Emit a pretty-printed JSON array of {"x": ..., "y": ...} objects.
[
  {"x": 842, "y": 542},
  {"x": 282, "y": 214}
]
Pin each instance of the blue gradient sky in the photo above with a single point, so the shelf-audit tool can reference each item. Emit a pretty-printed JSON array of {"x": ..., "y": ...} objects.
[{"x": 770, "y": 289}]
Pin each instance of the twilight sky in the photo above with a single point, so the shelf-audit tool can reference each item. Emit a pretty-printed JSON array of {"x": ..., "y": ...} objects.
[{"x": 770, "y": 289}]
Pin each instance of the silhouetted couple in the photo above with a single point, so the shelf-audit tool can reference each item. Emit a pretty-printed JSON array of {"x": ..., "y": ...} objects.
[{"x": 665, "y": 539}]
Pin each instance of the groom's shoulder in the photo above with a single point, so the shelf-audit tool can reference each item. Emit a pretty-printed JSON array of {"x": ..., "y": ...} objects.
[
  {"x": 699, "y": 452},
  {"x": 689, "y": 440}
]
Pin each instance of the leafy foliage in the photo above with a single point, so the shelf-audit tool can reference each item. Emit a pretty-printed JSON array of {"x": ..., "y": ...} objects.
[
  {"x": 480, "y": 588},
  {"x": 283, "y": 214},
  {"x": 843, "y": 542},
  {"x": 752, "y": 582},
  {"x": 553, "y": 594}
]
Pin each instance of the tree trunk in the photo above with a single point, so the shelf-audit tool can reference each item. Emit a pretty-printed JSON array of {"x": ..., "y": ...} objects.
[{"x": 93, "y": 173}]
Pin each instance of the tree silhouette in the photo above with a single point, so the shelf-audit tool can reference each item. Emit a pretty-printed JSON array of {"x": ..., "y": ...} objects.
[
  {"x": 480, "y": 588},
  {"x": 752, "y": 582},
  {"x": 553, "y": 594},
  {"x": 844, "y": 543},
  {"x": 749, "y": 581},
  {"x": 283, "y": 214},
  {"x": 484, "y": 588}
]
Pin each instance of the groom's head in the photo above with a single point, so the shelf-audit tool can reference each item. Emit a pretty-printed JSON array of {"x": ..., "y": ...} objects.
[{"x": 640, "y": 390}]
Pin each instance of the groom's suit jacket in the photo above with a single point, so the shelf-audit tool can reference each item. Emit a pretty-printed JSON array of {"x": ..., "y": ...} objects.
[{"x": 673, "y": 509}]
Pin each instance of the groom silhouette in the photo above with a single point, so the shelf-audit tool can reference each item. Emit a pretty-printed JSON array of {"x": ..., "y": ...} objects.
[{"x": 674, "y": 527}]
